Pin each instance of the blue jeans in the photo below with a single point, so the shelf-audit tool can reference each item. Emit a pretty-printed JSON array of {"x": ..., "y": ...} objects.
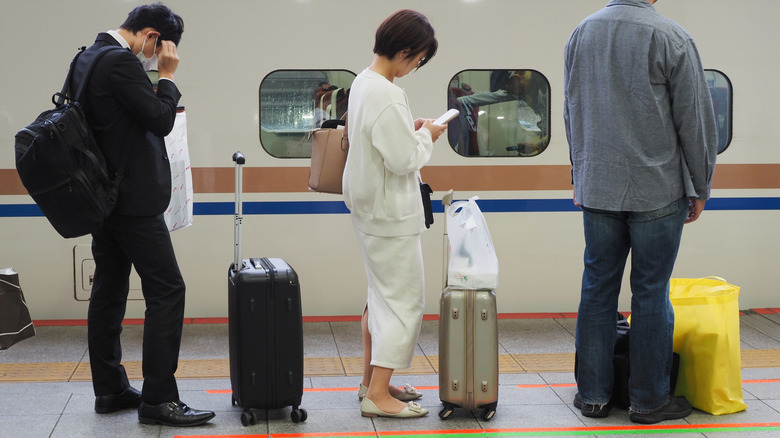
[{"x": 653, "y": 239}]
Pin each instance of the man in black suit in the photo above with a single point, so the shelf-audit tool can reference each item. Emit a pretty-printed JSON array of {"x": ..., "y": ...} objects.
[{"x": 129, "y": 120}]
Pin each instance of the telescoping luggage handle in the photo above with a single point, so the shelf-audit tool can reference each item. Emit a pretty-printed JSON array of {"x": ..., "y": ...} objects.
[
  {"x": 446, "y": 200},
  {"x": 238, "y": 217}
]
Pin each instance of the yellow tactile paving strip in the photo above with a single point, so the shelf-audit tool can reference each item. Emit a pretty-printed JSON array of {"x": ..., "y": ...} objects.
[
  {"x": 544, "y": 363},
  {"x": 353, "y": 366},
  {"x": 37, "y": 372},
  {"x": 760, "y": 358},
  {"x": 326, "y": 366}
]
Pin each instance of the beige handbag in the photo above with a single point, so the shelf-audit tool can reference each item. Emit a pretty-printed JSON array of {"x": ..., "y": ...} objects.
[{"x": 329, "y": 148}]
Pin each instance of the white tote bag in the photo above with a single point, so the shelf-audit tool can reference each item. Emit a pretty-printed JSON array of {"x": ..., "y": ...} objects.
[
  {"x": 472, "y": 258},
  {"x": 178, "y": 215}
]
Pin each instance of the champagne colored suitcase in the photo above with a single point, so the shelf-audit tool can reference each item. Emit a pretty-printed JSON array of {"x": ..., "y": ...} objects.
[
  {"x": 468, "y": 347},
  {"x": 265, "y": 330},
  {"x": 468, "y": 352}
]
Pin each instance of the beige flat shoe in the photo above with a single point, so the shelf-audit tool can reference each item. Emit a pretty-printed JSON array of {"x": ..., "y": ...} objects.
[
  {"x": 412, "y": 410},
  {"x": 409, "y": 393}
]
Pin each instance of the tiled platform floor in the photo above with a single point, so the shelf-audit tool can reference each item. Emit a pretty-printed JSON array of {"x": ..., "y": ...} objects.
[{"x": 45, "y": 389}]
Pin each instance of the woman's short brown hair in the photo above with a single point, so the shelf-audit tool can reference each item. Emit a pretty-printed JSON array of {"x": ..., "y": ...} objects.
[{"x": 406, "y": 29}]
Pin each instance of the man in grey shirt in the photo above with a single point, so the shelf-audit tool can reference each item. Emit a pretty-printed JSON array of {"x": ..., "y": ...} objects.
[{"x": 643, "y": 142}]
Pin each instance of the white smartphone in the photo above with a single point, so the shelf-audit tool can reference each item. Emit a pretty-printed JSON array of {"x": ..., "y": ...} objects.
[{"x": 446, "y": 117}]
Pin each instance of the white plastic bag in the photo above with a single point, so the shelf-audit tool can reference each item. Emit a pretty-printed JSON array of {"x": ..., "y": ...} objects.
[
  {"x": 472, "y": 258},
  {"x": 178, "y": 215}
]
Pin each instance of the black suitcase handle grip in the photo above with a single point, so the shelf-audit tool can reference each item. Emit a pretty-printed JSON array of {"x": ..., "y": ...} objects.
[{"x": 238, "y": 157}]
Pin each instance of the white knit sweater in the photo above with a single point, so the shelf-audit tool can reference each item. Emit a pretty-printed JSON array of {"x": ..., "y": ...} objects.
[{"x": 380, "y": 181}]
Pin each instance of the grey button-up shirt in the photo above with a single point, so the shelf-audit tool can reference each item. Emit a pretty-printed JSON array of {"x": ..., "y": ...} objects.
[{"x": 638, "y": 113}]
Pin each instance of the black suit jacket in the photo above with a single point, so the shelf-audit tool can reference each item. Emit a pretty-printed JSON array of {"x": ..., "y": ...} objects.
[{"x": 124, "y": 112}]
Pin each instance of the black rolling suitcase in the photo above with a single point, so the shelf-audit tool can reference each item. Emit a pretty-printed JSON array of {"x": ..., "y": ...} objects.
[{"x": 265, "y": 329}]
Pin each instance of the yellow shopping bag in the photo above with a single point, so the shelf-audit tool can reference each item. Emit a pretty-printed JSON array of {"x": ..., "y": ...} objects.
[{"x": 706, "y": 336}]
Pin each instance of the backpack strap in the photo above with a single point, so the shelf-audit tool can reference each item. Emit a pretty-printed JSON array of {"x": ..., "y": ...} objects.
[
  {"x": 64, "y": 95},
  {"x": 119, "y": 175},
  {"x": 82, "y": 87},
  {"x": 58, "y": 99}
]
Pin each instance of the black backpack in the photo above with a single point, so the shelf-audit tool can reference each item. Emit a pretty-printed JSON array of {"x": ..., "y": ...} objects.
[
  {"x": 622, "y": 368},
  {"x": 61, "y": 165}
]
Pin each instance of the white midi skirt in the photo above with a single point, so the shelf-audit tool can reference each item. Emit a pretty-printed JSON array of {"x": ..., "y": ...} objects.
[{"x": 396, "y": 297}]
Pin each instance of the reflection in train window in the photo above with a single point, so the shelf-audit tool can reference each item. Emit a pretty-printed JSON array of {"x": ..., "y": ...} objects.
[
  {"x": 503, "y": 113},
  {"x": 294, "y": 102},
  {"x": 722, "y": 103}
]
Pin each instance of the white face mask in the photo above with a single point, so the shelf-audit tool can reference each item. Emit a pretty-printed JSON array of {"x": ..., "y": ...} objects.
[{"x": 148, "y": 63}]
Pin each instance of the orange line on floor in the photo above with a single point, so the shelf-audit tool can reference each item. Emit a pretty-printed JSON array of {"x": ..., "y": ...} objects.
[
  {"x": 315, "y": 434},
  {"x": 547, "y": 385},
  {"x": 670, "y": 428},
  {"x": 656, "y": 427}
]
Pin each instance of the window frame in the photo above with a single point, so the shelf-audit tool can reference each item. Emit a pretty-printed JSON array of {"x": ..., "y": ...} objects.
[
  {"x": 729, "y": 120},
  {"x": 301, "y": 136},
  {"x": 548, "y": 114}
]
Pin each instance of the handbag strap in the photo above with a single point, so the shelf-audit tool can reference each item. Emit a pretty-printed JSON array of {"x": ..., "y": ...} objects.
[
  {"x": 345, "y": 134},
  {"x": 685, "y": 292}
]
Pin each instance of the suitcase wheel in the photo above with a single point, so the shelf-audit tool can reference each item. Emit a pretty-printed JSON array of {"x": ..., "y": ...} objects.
[
  {"x": 248, "y": 418},
  {"x": 446, "y": 411},
  {"x": 488, "y": 411},
  {"x": 298, "y": 415},
  {"x": 488, "y": 414}
]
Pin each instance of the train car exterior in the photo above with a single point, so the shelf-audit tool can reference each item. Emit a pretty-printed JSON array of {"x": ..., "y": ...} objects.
[{"x": 256, "y": 76}]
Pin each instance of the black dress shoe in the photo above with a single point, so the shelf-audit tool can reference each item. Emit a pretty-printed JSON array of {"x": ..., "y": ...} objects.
[
  {"x": 588, "y": 410},
  {"x": 174, "y": 413},
  {"x": 674, "y": 409},
  {"x": 129, "y": 398}
]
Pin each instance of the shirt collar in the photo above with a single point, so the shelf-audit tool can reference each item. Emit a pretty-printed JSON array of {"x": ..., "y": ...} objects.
[
  {"x": 640, "y": 3},
  {"x": 119, "y": 38}
]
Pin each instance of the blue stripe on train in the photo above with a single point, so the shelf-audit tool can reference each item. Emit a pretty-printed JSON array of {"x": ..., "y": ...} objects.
[{"x": 338, "y": 207}]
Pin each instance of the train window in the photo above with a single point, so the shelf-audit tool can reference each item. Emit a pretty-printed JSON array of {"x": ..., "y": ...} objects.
[
  {"x": 293, "y": 102},
  {"x": 722, "y": 103},
  {"x": 503, "y": 113}
]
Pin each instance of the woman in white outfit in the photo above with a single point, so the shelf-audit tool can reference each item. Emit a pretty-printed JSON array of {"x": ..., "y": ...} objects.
[{"x": 381, "y": 189}]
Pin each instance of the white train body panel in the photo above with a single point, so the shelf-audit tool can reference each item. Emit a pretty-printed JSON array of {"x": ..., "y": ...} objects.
[{"x": 229, "y": 47}]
